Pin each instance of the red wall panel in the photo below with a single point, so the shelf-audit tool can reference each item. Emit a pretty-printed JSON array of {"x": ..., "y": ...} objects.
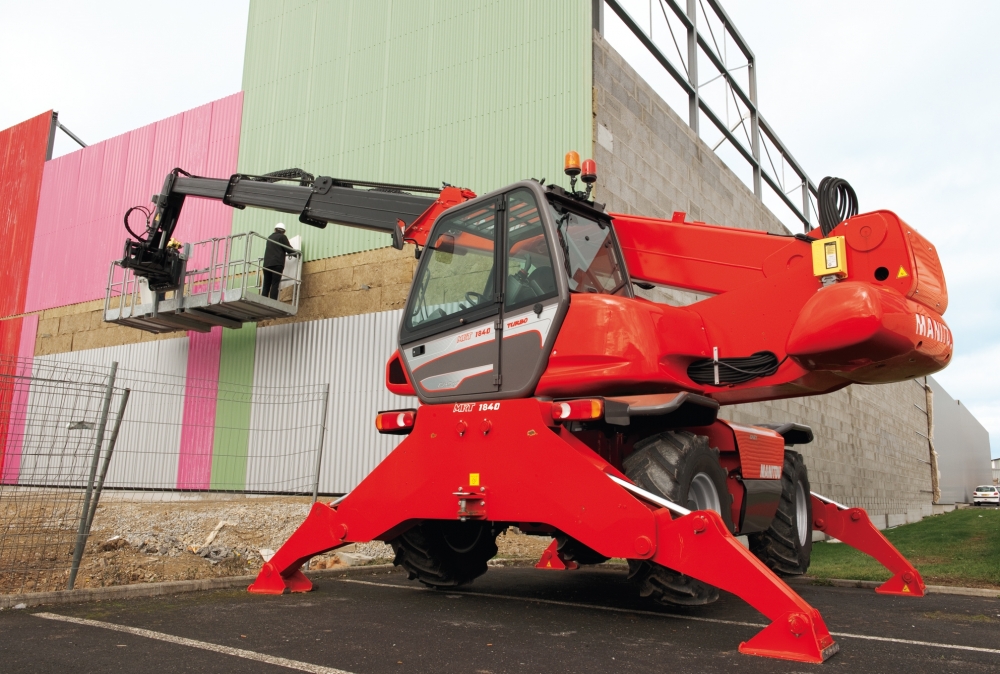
[
  {"x": 85, "y": 194},
  {"x": 22, "y": 160}
]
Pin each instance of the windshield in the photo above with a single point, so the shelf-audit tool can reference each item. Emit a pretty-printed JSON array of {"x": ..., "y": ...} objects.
[
  {"x": 591, "y": 258},
  {"x": 458, "y": 277}
]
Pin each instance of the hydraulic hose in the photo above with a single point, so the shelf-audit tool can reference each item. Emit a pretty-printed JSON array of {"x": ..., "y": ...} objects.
[{"x": 837, "y": 202}]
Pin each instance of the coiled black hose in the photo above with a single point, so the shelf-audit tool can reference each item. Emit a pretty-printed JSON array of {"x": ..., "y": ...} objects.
[
  {"x": 837, "y": 202},
  {"x": 734, "y": 370}
]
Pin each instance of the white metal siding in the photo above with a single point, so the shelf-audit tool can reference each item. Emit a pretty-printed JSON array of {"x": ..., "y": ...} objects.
[
  {"x": 350, "y": 354},
  {"x": 146, "y": 455}
]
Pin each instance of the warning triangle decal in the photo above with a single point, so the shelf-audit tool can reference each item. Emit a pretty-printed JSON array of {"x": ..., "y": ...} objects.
[
  {"x": 901, "y": 273},
  {"x": 906, "y": 588}
]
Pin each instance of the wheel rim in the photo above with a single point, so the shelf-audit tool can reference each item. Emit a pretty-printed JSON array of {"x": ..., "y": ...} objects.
[
  {"x": 801, "y": 513},
  {"x": 702, "y": 494}
]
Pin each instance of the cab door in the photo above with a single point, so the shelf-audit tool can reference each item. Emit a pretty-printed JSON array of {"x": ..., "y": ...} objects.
[
  {"x": 449, "y": 338},
  {"x": 531, "y": 297}
]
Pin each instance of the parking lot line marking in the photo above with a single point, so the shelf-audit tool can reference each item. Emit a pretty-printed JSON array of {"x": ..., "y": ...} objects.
[
  {"x": 719, "y": 621},
  {"x": 226, "y": 650},
  {"x": 911, "y": 642}
]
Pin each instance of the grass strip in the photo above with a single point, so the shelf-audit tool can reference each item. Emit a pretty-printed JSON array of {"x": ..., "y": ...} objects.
[{"x": 957, "y": 548}]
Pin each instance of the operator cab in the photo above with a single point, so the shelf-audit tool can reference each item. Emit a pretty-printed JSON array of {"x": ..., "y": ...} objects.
[{"x": 494, "y": 284}]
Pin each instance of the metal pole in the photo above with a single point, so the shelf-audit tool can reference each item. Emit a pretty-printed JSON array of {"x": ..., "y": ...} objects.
[
  {"x": 597, "y": 15},
  {"x": 107, "y": 458},
  {"x": 758, "y": 189},
  {"x": 805, "y": 204},
  {"x": 81, "y": 534},
  {"x": 53, "y": 124},
  {"x": 693, "y": 114},
  {"x": 322, "y": 437}
]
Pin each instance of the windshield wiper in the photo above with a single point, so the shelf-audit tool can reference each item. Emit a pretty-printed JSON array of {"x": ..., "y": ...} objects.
[{"x": 562, "y": 242}]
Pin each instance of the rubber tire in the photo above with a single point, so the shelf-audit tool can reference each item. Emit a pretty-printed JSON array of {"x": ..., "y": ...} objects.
[
  {"x": 573, "y": 550},
  {"x": 779, "y": 546},
  {"x": 446, "y": 554},
  {"x": 665, "y": 464}
]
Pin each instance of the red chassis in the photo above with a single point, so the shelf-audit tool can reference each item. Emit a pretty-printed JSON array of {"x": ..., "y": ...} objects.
[
  {"x": 509, "y": 462},
  {"x": 526, "y": 468}
]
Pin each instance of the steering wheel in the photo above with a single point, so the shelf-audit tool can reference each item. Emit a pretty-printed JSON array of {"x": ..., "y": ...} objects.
[{"x": 473, "y": 298}]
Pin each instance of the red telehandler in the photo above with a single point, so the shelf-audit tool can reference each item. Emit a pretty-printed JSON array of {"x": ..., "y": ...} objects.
[{"x": 556, "y": 400}]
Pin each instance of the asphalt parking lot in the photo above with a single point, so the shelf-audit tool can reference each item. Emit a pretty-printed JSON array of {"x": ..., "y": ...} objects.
[{"x": 510, "y": 620}]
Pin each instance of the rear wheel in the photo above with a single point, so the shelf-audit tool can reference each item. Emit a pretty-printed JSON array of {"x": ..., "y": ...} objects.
[
  {"x": 680, "y": 467},
  {"x": 786, "y": 546},
  {"x": 445, "y": 554}
]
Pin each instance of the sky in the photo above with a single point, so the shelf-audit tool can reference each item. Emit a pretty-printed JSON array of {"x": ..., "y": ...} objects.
[{"x": 898, "y": 97}]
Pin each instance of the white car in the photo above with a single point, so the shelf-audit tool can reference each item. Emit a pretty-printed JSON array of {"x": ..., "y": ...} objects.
[{"x": 986, "y": 494}]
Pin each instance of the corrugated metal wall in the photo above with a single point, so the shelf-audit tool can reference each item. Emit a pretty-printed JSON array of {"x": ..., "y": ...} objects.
[
  {"x": 148, "y": 448},
  {"x": 22, "y": 161},
  {"x": 194, "y": 470},
  {"x": 478, "y": 93},
  {"x": 350, "y": 354},
  {"x": 232, "y": 410},
  {"x": 11, "y": 444},
  {"x": 85, "y": 193},
  {"x": 963, "y": 447}
]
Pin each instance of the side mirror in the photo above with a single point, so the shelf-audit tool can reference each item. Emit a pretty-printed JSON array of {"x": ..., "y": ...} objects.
[{"x": 445, "y": 244}]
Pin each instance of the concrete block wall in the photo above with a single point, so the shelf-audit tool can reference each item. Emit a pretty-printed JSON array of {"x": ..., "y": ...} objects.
[{"x": 867, "y": 450}]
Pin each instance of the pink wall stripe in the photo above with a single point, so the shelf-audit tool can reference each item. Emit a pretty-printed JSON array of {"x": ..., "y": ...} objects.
[
  {"x": 19, "y": 401},
  {"x": 194, "y": 467},
  {"x": 85, "y": 194}
]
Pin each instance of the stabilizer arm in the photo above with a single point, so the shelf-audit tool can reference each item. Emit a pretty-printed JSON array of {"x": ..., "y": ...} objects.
[{"x": 853, "y": 527}]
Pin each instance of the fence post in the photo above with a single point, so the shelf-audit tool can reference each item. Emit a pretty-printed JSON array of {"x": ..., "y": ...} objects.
[
  {"x": 322, "y": 437},
  {"x": 107, "y": 459},
  {"x": 81, "y": 535}
]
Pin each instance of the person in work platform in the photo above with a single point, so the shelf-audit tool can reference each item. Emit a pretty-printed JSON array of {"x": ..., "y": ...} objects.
[{"x": 274, "y": 261}]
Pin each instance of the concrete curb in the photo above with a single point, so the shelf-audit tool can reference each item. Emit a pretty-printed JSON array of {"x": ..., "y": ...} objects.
[
  {"x": 140, "y": 590},
  {"x": 872, "y": 584}
]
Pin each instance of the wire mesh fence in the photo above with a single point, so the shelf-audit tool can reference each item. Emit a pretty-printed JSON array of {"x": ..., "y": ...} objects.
[{"x": 140, "y": 464}]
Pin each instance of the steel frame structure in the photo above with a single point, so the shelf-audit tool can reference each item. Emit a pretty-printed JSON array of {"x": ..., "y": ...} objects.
[{"x": 689, "y": 82}]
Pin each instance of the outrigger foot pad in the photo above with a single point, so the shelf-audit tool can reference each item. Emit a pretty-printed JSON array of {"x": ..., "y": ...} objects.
[
  {"x": 853, "y": 527},
  {"x": 794, "y": 636},
  {"x": 321, "y": 532}
]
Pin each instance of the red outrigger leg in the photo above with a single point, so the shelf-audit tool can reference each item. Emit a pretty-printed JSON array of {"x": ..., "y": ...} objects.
[
  {"x": 577, "y": 493},
  {"x": 853, "y": 527},
  {"x": 551, "y": 559}
]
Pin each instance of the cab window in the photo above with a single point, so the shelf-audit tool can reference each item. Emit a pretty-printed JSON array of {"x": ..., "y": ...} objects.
[
  {"x": 592, "y": 262},
  {"x": 530, "y": 276},
  {"x": 457, "y": 280}
]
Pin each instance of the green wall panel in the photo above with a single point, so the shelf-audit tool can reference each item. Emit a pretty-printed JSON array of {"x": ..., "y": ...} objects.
[
  {"x": 232, "y": 412},
  {"x": 478, "y": 93}
]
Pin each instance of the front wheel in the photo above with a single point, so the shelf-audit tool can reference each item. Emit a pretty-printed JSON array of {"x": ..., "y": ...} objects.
[
  {"x": 786, "y": 547},
  {"x": 443, "y": 554},
  {"x": 680, "y": 467}
]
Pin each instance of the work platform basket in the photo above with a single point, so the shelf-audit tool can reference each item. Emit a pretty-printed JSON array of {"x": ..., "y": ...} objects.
[{"x": 221, "y": 286}]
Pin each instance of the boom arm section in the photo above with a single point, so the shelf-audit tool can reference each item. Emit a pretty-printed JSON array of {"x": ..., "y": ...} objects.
[{"x": 403, "y": 211}]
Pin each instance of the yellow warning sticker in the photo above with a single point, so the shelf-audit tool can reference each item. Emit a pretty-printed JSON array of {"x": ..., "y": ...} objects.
[
  {"x": 906, "y": 588},
  {"x": 474, "y": 479},
  {"x": 901, "y": 273}
]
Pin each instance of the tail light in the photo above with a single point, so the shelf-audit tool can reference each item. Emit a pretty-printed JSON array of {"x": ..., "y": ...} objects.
[
  {"x": 578, "y": 410},
  {"x": 395, "y": 422}
]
